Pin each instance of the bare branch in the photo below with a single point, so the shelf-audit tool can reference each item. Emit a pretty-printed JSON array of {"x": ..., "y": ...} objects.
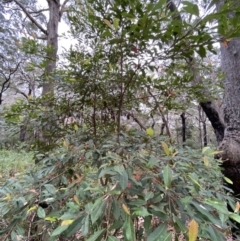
[
  {"x": 62, "y": 8},
  {"x": 30, "y": 17},
  {"x": 39, "y": 11},
  {"x": 6, "y": 83},
  {"x": 136, "y": 120}
]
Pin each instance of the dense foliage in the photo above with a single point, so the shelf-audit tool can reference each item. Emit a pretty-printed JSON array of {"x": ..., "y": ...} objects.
[{"x": 103, "y": 172}]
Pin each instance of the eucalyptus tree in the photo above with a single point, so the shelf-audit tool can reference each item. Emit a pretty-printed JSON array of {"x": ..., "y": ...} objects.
[{"x": 42, "y": 27}]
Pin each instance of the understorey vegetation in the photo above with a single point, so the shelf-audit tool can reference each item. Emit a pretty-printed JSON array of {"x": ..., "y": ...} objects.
[{"x": 130, "y": 132}]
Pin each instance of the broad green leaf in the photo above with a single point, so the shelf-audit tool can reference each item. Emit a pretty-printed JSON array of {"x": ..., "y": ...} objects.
[
  {"x": 128, "y": 15},
  {"x": 98, "y": 211},
  {"x": 41, "y": 212},
  {"x": 235, "y": 217},
  {"x": 59, "y": 230},
  {"x": 112, "y": 238},
  {"x": 193, "y": 230},
  {"x": 51, "y": 189},
  {"x": 117, "y": 225},
  {"x": 141, "y": 211},
  {"x": 217, "y": 204},
  {"x": 202, "y": 51},
  {"x": 85, "y": 226},
  {"x": 116, "y": 23},
  {"x": 160, "y": 233},
  {"x": 116, "y": 209},
  {"x": 96, "y": 235},
  {"x": 14, "y": 236},
  {"x": 147, "y": 224},
  {"x": 128, "y": 229},
  {"x": 181, "y": 225},
  {"x": 167, "y": 176},
  {"x": 123, "y": 179},
  {"x": 74, "y": 227},
  {"x": 215, "y": 234}
]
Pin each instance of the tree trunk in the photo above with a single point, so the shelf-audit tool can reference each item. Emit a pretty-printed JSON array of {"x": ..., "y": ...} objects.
[
  {"x": 204, "y": 133},
  {"x": 230, "y": 61},
  {"x": 230, "y": 145},
  {"x": 200, "y": 126},
  {"x": 52, "y": 44},
  {"x": 214, "y": 117},
  {"x": 183, "y": 127}
]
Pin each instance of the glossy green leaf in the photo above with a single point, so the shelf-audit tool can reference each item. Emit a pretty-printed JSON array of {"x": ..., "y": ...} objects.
[
  {"x": 215, "y": 234},
  {"x": 85, "y": 226},
  {"x": 160, "y": 233},
  {"x": 167, "y": 176},
  {"x": 50, "y": 188},
  {"x": 128, "y": 229},
  {"x": 116, "y": 210},
  {"x": 98, "y": 211},
  {"x": 59, "y": 230},
  {"x": 96, "y": 235},
  {"x": 235, "y": 217},
  {"x": 74, "y": 227},
  {"x": 141, "y": 211},
  {"x": 41, "y": 213},
  {"x": 202, "y": 52}
]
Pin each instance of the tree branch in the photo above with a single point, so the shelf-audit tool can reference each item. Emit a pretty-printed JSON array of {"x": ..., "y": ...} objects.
[
  {"x": 62, "y": 8},
  {"x": 136, "y": 120},
  {"x": 30, "y": 17},
  {"x": 39, "y": 11}
]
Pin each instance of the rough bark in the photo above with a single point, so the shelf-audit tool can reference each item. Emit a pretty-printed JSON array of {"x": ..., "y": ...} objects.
[
  {"x": 52, "y": 44},
  {"x": 215, "y": 119},
  {"x": 230, "y": 62}
]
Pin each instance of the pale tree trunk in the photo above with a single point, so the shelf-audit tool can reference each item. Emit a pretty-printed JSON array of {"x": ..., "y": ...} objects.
[
  {"x": 52, "y": 44},
  {"x": 51, "y": 34}
]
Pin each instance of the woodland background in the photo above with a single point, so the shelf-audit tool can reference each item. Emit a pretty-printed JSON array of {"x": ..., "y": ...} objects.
[{"x": 130, "y": 130}]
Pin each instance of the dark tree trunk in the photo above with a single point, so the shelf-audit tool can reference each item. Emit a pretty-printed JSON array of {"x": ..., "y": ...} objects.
[
  {"x": 162, "y": 128},
  {"x": 183, "y": 127},
  {"x": 215, "y": 119},
  {"x": 204, "y": 133}
]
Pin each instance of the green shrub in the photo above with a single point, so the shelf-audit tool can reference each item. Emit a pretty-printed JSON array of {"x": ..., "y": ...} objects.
[{"x": 142, "y": 178}]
